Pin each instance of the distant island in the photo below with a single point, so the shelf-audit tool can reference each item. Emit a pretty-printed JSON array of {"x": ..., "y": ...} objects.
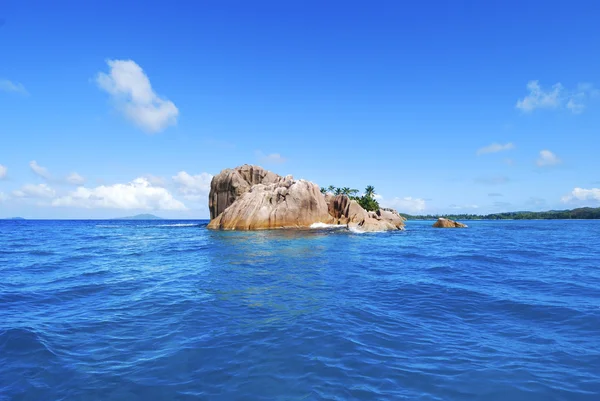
[
  {"x": 14, "y": 218},
  {"x": 140, "y": 217},
  {"x": 582, "y": 213}
]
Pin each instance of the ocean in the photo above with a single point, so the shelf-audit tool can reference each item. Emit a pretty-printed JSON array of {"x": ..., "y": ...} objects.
[{"x": 168, "y": 310}]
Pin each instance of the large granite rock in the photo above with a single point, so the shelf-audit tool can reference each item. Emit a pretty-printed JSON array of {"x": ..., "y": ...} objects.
[
  {"x": 446, "y": 223},
  {"x": 287, "y": 203},
  {"x": 252, "y": 198},
  {"x": 230, "y": 184}
]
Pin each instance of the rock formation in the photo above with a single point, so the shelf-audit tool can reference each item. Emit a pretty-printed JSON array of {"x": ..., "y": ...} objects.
[
  {"x": 446, "y": 223},
  {"x": 343, "y": 210},
  {"x": 230, "y": 184},
  {"x": 252, "y": 198}
]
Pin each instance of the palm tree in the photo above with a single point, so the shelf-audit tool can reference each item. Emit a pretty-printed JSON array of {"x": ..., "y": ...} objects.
[
  {"x": 369, "y": 191},
  {"x": 352, "y": 192},
  {"x": 346, "y": 191},
  {"x": 331, "y": 189},
  {"x": 323, "y": 190},
  {"x": 338, "y": 191}
]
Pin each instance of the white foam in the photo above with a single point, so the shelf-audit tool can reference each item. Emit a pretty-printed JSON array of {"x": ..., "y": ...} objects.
[
  {"x": 356, "y": 230},
  {"x": 324, "y": 225},
  {"x": 179, "y": 225}
]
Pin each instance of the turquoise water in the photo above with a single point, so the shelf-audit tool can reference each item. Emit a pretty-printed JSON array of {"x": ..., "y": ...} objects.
[{"x": 168, "y": 310}]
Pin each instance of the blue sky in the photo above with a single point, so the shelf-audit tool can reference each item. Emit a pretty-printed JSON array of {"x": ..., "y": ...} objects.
[{"x": 114, "y": 108}]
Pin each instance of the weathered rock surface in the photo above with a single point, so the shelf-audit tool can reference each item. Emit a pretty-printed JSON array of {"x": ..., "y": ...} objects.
[
  {"x": 252, "y": 198},
  {"x": 446, "y": 223},
  {"x": 288, "y": 203},
  {"x": 347, "y": 211},
  {"x": 230, "y": 184}
]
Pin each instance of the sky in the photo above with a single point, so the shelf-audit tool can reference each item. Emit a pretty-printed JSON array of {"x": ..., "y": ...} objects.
[{"x": 113, "y": 108}]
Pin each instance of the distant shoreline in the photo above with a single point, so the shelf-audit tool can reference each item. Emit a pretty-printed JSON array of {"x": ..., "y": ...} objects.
[{"x": 583, "y": 213}]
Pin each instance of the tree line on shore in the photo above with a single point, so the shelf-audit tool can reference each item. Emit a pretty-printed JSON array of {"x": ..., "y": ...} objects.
[{"x": 579, "y": 213}]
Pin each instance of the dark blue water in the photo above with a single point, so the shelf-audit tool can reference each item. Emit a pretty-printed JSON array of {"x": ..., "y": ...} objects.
[{"x": 101, "y": 310}]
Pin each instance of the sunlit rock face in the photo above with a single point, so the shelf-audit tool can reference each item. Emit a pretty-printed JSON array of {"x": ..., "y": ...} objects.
[
  {"x": 446, "y": 223},
  {"x": 252, "y": 198}
]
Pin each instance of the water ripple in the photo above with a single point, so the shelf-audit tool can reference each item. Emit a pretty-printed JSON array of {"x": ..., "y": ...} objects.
[{"x": 149, "y": 310}]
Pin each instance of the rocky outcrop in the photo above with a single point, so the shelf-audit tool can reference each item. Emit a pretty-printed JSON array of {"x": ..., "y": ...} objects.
[
  {"x": 287, "y": 203},
  {"x": 230, "y": 184},
  {"x": 252, "y": 198},
  {"x": 446, "y": 223},
  {"x": 347, "y": 211}
]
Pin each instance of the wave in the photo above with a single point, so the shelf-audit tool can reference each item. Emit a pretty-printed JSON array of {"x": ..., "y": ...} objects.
[
  {"x": 356, "y": 230},
  {"x": 325, "y": 225},
  {"x": 180, "y": 225}
]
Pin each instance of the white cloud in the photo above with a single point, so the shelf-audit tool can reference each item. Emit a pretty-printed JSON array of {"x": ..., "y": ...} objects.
[
  {"x": 547, "y": 158},
  {"x": 273, "y": 158},
  {"x": 39, "y": 170},
  {"x": 12, "y": 87},
  {"x": 75, "y": 179},
  {"x": 540, "y": 99},
  {"x": 582, "y": 194},
  {"x": 138, "y": 194},
  {"x": 132, "y": 92},
  {"x": 557, "y": 97},
  {"x": 34, "y": 191},
  {"x": 3, "y": 171},
  {"x": 155, "y": 180},
  {"x": 193, "y": 187},
  {"x": 495, "y": 147},
  {"x": 407, "y": 204},
  {"x": 576, "y": 108}
]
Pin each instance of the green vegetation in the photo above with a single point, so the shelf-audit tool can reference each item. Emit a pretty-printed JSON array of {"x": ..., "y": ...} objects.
[
  {"x": 580, "y": 213},
  {"x": 367, "y": 201}
]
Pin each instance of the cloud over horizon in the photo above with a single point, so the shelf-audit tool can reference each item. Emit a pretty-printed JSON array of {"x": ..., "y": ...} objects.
[
  {"x": 43, "y": 172},
  {"x": 137, "y": 194},
  {"x": 582, "y": 194},
  {"x": 193, "y": 187},
  {"x": 34, "y": 191},
  {"x": 132, "y": 93},
  {"x": 405, "y": 204},
  {"x": 3, "y": 172}
]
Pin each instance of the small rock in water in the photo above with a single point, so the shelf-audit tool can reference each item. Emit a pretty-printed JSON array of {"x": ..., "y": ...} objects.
[{"x": 446, "y": 223}]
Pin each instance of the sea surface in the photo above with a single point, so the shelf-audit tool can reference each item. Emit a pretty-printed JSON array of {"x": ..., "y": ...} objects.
[{"x": 168, "y": 310}]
